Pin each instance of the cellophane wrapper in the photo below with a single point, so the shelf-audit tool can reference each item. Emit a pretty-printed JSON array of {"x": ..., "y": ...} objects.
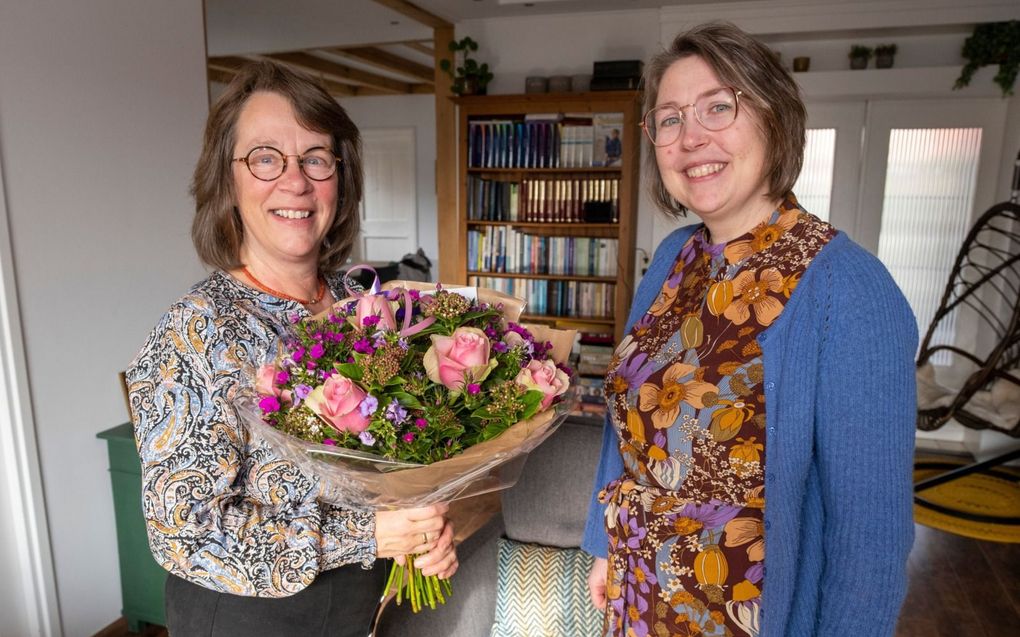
[{"x": 356, "y": 479}]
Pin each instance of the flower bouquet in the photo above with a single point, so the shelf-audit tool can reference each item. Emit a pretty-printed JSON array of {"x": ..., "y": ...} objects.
[{"x": 410, "y": 396}]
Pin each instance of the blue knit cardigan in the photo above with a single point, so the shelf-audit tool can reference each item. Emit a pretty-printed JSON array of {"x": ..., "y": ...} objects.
[{"x": 840, "y": 409}]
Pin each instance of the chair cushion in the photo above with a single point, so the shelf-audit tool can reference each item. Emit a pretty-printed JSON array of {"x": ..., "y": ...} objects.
[
  {"x": 549, "y": 504},
  {"x": 542, "y": 591}
]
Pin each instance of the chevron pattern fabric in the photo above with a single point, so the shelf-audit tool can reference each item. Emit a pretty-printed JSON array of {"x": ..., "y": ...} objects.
[{"x": 543, "y": 592}]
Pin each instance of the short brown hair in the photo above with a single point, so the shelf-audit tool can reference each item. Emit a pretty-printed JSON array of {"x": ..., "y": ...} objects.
[
  {"x": 217, "y": 230},
  {"x": 766, "y": 88}
]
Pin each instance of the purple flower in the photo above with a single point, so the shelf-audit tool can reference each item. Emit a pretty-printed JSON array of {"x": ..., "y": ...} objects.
[
  {"x": 317, "y": 350},
  {"x": 403, "y": 343},
  {"x": 282, "y": 377},
  {"x": 368, "y": 405},
  {"x": 395, "y": 413},
  {"x": 755, "y": 572},
  {"x": 269, "y": 404},
  {"x": 473, "y": 389},
  {"x": 301, "y": 391},
  {"x": 299, "y": 353},
  {"x": 370, "y": 321},
  {"x": 329, "y": 441},
  {"x": 421, "y": 423},
  {"x": 635, "y": 533},
  {"x": 714, "y": 514},
  {"x": 363, "y": 346},
  {"x": 636, "y": 370},
  {"x": 334, "y": 318},
  {"x": 500, "y": 347},
  {"x": 408, "y": 437},
  {"x": 366, "y": 438},
  {"x": 311, "y": 365},
  {"x": 295, "y": 318},
  {"x": 414, "y": 294}
]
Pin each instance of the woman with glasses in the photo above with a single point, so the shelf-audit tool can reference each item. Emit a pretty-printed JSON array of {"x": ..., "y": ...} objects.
[
  {"x": 250, "y": 549},
  {"x": 755, "y": 477}
]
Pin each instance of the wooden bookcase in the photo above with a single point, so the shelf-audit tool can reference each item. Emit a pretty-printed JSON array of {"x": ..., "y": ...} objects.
[{"x": 516, "y": 107}]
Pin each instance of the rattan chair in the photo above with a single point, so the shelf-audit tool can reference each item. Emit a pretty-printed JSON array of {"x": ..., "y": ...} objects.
[{"x": 984, "y": 286}]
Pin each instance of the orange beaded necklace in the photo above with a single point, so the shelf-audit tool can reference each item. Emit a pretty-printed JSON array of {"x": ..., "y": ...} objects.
[{"x": 265, "y": 288}]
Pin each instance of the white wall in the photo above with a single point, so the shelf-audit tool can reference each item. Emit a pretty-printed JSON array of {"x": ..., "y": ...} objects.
[
  {"x": 401, "y": 111},
  {"x": 101, "y": 111}
]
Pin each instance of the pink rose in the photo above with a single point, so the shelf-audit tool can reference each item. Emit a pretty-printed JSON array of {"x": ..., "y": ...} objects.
[
  {"x": 336, "y": 401},
  {"x": 465, "y": 354},
  {"x": 545, "y": 377},
  {"x": 265, "y": 380},
  {"x": 512, "y": 338},
  {"x": 375, "y": 305},
  {"x": 266, "y": 383}
]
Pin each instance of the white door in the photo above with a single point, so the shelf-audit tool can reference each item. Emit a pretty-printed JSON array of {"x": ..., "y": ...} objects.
[
  {"x": 934, "y": 145},
  {"x": 828, "y": 183},
  {"x": 389, "y": 209}
]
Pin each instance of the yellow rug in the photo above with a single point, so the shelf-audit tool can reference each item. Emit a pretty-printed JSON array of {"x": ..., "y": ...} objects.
[{"x": 977, "y": 493}]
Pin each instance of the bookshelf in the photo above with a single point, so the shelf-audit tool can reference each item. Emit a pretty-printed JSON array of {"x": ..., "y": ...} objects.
[{"x": 536, "y": 218}]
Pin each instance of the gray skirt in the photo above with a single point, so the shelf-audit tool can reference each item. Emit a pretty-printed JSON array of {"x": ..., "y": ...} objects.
[{"x": 341, "y": 602}]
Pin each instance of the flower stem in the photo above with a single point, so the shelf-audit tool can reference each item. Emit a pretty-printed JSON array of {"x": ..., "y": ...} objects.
[{"x": 419, "y": 589}]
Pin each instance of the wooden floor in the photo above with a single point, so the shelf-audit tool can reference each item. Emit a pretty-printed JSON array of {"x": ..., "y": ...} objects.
[{"x": 958, "y": 587}]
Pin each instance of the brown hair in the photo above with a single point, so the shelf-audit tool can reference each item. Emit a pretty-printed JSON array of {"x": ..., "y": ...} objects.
[
  {"x": 766, "y": 88},
  {"x": 217, "y": 230}
]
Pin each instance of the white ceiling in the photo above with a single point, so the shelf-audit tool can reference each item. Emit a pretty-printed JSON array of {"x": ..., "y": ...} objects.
[{"x": 237, "y": 27}]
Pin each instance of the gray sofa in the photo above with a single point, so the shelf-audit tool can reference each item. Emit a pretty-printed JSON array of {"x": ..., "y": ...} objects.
[{"x": 547, "y": 506}]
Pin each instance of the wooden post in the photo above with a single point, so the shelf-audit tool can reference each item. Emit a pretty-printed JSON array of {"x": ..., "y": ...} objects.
[{"x": 451, "y": 244}]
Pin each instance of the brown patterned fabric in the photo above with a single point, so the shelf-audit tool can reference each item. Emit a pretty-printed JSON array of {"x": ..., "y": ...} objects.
[{"x": 685, "y": 392}]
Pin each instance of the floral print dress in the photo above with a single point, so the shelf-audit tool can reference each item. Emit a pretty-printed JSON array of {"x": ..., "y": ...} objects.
[{"x": 685, "y": 520}]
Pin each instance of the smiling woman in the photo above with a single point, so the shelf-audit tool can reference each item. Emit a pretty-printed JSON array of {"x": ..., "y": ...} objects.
[
  {"x": 767, "y": 359},
  {"x": 249, "y": 546}
]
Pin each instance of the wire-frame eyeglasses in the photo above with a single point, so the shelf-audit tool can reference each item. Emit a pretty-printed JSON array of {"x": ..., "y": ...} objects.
[
  {"x": 267, "y": 163},
  {"x": 714, "y": 110}
]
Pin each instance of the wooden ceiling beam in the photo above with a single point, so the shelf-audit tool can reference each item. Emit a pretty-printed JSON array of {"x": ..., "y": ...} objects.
[
  {"x": 227, "y": 63},
  {"x": 227, "y": 66},
  {"x": 420, "y": 48},
  {"x": 416, "y": 13},
  {"x": 219, "y": 75},
  {"x": 319, "y": 65},
  {"x": 387, "y": 61}
]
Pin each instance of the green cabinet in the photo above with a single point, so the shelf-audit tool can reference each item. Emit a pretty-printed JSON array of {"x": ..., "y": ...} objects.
[{"x": 141, "y": 579}]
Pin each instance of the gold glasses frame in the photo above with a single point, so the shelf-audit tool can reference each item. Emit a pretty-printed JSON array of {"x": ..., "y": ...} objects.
[{"x": 737, "y": 93}]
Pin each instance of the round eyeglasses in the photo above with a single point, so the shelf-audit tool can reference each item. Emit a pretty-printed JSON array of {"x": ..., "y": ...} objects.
[
  {"x": 267, "y": 163},
  {"x": 714, "y": 110}
]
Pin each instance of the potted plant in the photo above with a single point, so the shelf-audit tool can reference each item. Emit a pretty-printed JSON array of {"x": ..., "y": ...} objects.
[
  {"x": 469, "y": 77},
  {"x": 993, "y": 43},
  {"x": 884, "y": 55},
  {"x": 859, "y": 56}
]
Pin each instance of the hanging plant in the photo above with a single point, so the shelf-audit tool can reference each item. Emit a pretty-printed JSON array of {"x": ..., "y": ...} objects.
[{"x": 993, "y": 43}]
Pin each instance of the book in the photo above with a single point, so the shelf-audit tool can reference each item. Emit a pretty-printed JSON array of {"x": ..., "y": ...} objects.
[{"x": 608, "y": 139}]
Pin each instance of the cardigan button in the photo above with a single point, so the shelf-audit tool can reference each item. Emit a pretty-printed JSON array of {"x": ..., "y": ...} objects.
[
  {"x": 768, "y": 525},
  {"x": 772, "y": 430},
  {"x": 769, "y": 386}
]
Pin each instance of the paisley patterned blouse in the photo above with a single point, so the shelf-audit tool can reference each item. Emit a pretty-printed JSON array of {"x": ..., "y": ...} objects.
[
  {"x": 220, "y": 511},
  {"x": 685, "y": 522}
]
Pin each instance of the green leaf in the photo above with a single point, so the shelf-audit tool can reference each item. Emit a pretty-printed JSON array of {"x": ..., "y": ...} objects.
[
  {"x": 349, "y": 370},
  {"x": 407, "y": 400}
]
